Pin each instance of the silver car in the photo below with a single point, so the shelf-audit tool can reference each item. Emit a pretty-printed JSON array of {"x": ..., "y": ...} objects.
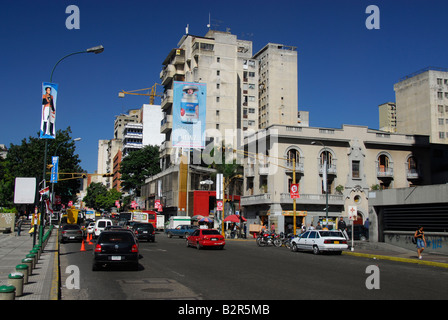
[
  {"x": 320, "y": 240},
  {"x": 71, "y": 232}
]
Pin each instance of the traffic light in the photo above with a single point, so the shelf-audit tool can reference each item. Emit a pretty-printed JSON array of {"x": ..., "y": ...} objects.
[{"x": 105, "y": 175}]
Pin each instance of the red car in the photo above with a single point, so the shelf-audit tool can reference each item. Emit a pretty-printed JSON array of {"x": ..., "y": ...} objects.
[{"x": 206, "y": 238}]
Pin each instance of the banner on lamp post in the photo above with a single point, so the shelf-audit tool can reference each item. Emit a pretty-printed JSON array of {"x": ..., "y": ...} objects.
[
  {"x": 48, "y": 113},
  {"x": 54, "y": 169}
]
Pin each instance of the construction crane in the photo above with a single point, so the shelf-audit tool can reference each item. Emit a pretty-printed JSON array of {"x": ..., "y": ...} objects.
[{"x": 152, "y": 94}]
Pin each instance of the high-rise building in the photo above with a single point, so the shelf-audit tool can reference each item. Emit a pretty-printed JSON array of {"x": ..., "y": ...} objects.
[
  {"x": 225, "y": 64},
  {"x": 237, "y": 94},
  {"x": 132, "y": 131},
  {"x": 278, "y": 97},
  {"x": 422, "y": 104},
  {"x": 388, "y": 117}
]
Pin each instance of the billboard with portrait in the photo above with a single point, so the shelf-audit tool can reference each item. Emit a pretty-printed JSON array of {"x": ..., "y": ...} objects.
[
  {"x": 189, "y": 111},
  {"x": 48, "y": 114}
]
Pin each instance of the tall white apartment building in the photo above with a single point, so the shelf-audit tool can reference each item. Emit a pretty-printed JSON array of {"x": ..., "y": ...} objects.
[
  {"x": 226, "y": 65},
  {"x": 388, "y": 116},
  {"x": 422, "y": 104},
  {"x": 278, "y": 97}
]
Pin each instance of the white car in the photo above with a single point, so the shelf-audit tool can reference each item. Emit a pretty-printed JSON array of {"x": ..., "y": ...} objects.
[
  {"x": 320, "y": 240},
  {"x": 100, "y": 225},
  {"x": 91, "y": 227}
]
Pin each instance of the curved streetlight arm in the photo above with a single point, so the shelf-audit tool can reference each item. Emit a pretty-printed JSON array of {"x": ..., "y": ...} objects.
[
  {"x": 96, "y": 50},
  {"x": 71, "y": 54}
]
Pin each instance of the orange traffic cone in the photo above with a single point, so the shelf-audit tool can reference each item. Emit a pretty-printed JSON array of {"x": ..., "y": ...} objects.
[
  {"x": 89, "y": 238},
  {"x": 83, "y": 248}
]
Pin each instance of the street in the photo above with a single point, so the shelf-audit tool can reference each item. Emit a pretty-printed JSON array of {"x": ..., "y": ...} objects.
[{"x": 242, "y": 271}]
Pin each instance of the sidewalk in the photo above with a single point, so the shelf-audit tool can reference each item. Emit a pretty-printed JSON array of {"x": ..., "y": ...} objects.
[
  {"x": 43, "y": 282},
  {"x": 384, "y": 251}
]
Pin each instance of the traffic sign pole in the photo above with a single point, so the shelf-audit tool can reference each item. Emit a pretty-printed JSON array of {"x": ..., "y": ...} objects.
[{"x": 294, "y": 200}]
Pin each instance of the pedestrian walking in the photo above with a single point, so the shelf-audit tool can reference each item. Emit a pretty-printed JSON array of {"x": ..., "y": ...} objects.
[
  {"x": 419, "y": 235},
  {"x": 19, "y": 225},
  {"x": 343, "y": 227},
  {"x": 273, "y": 227}
]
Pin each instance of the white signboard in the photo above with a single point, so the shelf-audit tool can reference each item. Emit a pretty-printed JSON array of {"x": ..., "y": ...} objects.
[
  {"x": 352, "y": 212},
  {"x": 25, "y": 190}
]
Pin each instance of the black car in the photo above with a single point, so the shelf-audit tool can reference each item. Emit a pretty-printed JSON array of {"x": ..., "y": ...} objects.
[
  {"x": 359, "y": 232},
  {"x": 71, "y": 232},
  {"x": 115, "y": 247},
  {"x": 145, "y": 231}
]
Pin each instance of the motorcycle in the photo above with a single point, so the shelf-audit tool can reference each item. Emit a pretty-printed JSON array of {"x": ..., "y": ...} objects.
[
  {"x": 264, "y": 239},
  {"x": 286, "y": 239}
]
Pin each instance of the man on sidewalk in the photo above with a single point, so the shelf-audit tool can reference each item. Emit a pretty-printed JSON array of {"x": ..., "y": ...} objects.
[
  {"x": 19, "y": 225},
  {"x": 343, "y": 227}
]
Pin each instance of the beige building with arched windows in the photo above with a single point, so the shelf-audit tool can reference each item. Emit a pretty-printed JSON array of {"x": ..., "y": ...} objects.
[{"x": 359, "y": 160}]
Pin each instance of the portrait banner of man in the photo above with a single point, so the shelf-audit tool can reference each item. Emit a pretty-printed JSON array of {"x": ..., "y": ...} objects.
[{"x": 48, "y": 115}]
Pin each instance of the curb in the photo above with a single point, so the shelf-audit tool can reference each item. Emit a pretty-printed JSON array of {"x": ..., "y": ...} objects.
[
  {"x": 54, "y": 289},
  {"x": 407, "y": 260}
]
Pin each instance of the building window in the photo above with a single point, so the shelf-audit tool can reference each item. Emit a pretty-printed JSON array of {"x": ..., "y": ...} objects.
[
  {"x": 441, "y": 135},
  {"x": 355, "y": 169},
  {"x": 383, "y": 163},
  {"x": 325, "y": 155},
  {"x": 218, "y": 59},
  {"x": 440, "y": 95},
  {"x": 412, "y": 164},
  {"x": 292, "y": 154}
]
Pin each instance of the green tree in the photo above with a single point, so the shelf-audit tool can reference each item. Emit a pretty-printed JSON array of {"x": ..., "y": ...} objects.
[
  {"x": 94, "y": 191},
  {"x": 26, "y": 160},
  {"x": 137, "y": 166},
  {"x": 107, "y": 201},
  {"x": 98, "y": 197},
  {"x": 6, "y": 184}
]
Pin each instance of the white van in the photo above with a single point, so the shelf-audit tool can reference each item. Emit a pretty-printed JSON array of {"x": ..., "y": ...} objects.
[{"x": 100, "y": 225}]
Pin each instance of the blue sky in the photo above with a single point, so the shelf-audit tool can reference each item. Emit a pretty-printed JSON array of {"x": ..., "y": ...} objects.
[{"x": 345, "y": 70}]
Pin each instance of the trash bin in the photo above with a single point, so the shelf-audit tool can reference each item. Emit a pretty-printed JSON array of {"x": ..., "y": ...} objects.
[
  {"x": 29, "y": 263},
  {"x": 7, "y": 292},
  {"x": 23, "y": 268},
  {"x": 36, "y": 252},
  {"x": 16, "y": 279},
  {"x": 34, "y": 257}
]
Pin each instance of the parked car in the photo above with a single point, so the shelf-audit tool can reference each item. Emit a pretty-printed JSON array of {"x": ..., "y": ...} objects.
[
  {"x": 206, "y": 238},
  {"x": 71, "y": 232},
  {"x": 320, "y": 240},
  {"x": 90, "y": 227},
  {"x": 145, "y": 231},
  {"x": 181, "y": 231},
  {"x": 115, "y": 247},
  {"x": 359, "y": 232},
  {"x": 100, "y": 225}
]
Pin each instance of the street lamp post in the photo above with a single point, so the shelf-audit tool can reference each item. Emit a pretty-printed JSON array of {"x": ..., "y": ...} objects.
[
  {"x": 96, "y": 50},
  {"x": 52, "y": 183},
  {"x": 326, "y": 179}
]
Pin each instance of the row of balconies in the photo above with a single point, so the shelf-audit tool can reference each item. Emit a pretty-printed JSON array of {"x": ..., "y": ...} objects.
[
  {"x": 166, "y": 124},
  {"x": 381, "y": 172},
  {"x": 285, "y": 198}
]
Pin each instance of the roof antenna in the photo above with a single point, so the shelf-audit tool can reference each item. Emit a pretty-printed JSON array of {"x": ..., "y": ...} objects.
[
  {"x": 186, "y": 29},
  {"x": 208, "y": 25}
]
